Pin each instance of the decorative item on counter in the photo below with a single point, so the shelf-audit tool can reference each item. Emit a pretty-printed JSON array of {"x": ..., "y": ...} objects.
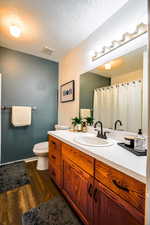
[
  {"x": 90, "y": 121},
  {"x": 84, "y": 126},
  {"x": 129, "y": 141},
  {"x": 77, "y": 124},
  {"x": 135, "y": 144},
  {"x": 139, "y": 142}
]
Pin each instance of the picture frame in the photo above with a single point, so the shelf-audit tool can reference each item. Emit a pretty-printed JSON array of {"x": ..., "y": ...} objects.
[{"x": 67, "y": 92}]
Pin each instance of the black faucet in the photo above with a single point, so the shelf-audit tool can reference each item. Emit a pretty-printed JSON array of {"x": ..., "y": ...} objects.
[
  {"x": 100, "y": 133},
  {"x": 116, "y": 122}
]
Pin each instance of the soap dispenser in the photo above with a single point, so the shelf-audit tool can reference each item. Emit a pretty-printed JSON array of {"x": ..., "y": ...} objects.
[{"x": 139, "y": 142}]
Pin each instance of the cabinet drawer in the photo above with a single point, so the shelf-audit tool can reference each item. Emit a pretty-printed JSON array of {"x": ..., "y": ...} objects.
[
  {"x": 54, "y": 159},
  {"x": 126, "y": 187},
  {"x": 54, "y": 151},
  {"x": 84, "y": 161},
  {"x": 54, "y": 174},
  {"x": 54, "y": 145}
]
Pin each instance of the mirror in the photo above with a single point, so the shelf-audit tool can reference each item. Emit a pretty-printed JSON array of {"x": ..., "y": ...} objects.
[{"x": 114, "y": 91}]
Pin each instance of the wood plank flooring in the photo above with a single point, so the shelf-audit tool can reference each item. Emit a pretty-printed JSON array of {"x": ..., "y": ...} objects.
[{"x": 15, "y": 202}]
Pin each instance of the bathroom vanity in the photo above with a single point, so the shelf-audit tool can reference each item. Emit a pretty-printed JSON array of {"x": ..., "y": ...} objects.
[{"x": 105, "y": 185}]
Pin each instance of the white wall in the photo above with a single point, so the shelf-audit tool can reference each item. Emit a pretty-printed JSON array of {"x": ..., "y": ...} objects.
[
  {"x": 127, "y": 77},
  {"x": 77, "y": 61}
]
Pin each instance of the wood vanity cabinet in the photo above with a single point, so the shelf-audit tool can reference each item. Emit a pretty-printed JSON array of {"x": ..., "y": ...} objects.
[
  {"x": 110, "y": 209},
  {"x": 100, "y": 194}
]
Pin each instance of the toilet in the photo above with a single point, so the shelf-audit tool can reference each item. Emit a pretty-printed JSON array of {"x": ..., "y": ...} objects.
[{"x": 41, "y": 150}]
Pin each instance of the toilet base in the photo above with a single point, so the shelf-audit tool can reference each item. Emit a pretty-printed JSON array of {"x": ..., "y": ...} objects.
[{"x": 42, "y": 163}]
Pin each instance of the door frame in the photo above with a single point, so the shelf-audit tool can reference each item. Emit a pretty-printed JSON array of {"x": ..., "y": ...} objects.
[{"x": 0, "y": 117}]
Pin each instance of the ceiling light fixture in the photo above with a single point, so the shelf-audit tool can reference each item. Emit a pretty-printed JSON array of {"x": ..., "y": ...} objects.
[
  {"x": 15, "y": 31},
  {"x": 107, "y": 66}
]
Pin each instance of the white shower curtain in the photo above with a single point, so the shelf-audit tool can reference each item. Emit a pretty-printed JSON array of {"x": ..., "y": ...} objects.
[{"x": 123, "y": 101}]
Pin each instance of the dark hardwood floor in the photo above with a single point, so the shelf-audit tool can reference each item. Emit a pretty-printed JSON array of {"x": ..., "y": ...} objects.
[{"x": 15, "y": 202}]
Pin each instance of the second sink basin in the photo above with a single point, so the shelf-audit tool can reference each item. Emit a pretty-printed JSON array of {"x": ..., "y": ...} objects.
[{"x": 93, "y": 141}]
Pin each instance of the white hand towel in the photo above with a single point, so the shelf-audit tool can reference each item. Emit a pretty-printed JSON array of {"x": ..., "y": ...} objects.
[
  {"x": 21, "y": 116},
  {"x": 85, "y": 113}
]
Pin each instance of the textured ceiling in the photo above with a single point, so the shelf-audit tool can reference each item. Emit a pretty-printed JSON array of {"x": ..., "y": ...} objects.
[{"x": 59, "y": 24}]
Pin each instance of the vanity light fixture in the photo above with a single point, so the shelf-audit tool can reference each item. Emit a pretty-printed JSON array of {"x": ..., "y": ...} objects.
[
  {"x": 126, "y": 37},
  {"x": 15, "y": 31}
]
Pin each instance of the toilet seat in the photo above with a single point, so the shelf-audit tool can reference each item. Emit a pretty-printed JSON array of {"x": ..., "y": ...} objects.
[{"x": 41, "y": 147}]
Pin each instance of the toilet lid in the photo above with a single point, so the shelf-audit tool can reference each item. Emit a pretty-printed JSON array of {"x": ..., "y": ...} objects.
[{"x": 42, "y": 146}]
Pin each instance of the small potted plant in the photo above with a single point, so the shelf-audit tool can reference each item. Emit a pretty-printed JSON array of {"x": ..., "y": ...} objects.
[
  {"x": 77, "y": 123},
  {"x": 90, "y": 121}
]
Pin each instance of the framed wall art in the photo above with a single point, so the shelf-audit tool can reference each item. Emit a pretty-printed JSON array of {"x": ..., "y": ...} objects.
[{"x": 67, "y": 92}]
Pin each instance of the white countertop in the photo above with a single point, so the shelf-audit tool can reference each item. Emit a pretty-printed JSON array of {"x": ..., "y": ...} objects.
[{"x": 114, "y": 155}]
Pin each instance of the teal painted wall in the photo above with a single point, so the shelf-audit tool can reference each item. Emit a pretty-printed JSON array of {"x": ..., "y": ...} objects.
[
  {"x": 88, "y": 82},
  {"x": 33, "y": 81}
]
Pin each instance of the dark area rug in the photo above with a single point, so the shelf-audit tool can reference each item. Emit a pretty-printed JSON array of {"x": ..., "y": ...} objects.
[
  {"x": 54, "y": 212},
  {"x": 12, "y": 176}
]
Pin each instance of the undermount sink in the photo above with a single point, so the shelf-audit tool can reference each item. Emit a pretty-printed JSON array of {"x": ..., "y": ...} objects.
[{"x": 93, "y": 141}]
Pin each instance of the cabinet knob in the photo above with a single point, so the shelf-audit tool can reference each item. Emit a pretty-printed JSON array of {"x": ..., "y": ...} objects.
[
  {"x": 90, "y": 190},
  {"x": 53, "y": 157},
  {"x": 53, "y": 142},
  {"x": 95, "y": 194}
]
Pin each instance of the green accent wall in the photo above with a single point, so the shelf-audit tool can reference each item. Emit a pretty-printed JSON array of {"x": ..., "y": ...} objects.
[
  {"x": 88, "y": 82},
  {"x": 32, "y": 81}
]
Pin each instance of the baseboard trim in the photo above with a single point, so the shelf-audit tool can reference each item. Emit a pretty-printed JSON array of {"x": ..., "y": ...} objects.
[
  {"x": 35, "y": 158},
  {"x": 26, "y": 160}
]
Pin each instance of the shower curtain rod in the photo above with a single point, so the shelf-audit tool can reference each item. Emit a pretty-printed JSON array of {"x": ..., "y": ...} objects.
[{"x": 117, "y": 85}]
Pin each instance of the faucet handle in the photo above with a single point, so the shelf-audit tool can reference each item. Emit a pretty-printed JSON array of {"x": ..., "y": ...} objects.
[{"x": 105, "y": 134}]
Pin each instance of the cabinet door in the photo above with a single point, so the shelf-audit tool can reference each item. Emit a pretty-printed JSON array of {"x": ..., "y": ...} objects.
[
  {"x": 77, "y": 186},
  {"x": 110, "y": 209}
]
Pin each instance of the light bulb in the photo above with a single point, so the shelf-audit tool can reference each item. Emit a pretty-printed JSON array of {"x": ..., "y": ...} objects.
[
  {"x": 107, "y": 66},
  {"x": 132, "y": 28},
  {"x": 15, "y": 31},
  {"x": 98, "y": 48},
  {"x": 92, "y": 53}
]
